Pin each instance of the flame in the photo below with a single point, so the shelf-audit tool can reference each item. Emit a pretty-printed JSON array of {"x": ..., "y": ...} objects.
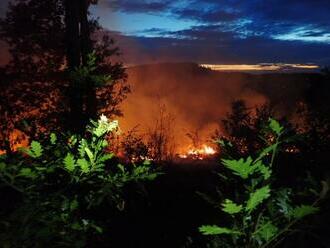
[{"x": 199, "y": 153}]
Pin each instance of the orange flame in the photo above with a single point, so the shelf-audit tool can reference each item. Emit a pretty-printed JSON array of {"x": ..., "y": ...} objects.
[{"x": 200, "y": 153}]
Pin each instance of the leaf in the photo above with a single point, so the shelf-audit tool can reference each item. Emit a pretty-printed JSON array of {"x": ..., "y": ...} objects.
[
  {"x": 325, "y": 189},
  {"x": 74, "y": 205},
  {"x": 69, "y": 162},
  {"x": 216, "y": 230},
  {"x": 89, "y": 154},
  {"x": 27, "y": 172},
  {"x": 104, "y": 143},
  {"x": 264, "y": 170},
  {"x": 97, "y": 228},
  {"x": 36, "y": 149},
  {"x": 121, "y": 168},
  {"x": 267, "y": 231},
  {"x": 147, "y": 162},
  {"x": 266, "y": 151},
  {"x": 230, "y": 207},
  {"x": 240, "y": 167},
  {"x": 84, "y": 165},
  {"x": 257, "y": 197},
  {"x": 76, "y": 226},
  {"x": 2, "y": 166},
  {"x": 53, "y": 138},
  {"x": 283, "y": 202},
  {"x": 82, "y": 146},
  {"x": 302, "y": 211},
  {"x": 106, "y": 157},
  {"x": 275, "y": 126}
]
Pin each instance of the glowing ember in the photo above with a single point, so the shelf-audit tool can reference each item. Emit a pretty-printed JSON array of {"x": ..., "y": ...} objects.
[{"x": 200, "y": 153}]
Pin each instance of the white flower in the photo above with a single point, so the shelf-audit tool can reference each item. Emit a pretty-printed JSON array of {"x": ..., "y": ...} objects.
[
  {"x": 105, "y": 125},
  {"x": 103, "y": 118}
]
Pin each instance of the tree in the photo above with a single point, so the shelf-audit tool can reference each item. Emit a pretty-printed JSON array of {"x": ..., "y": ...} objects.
[
  {"x": 242, "y": 126},
  {"x": 34, "y": 31},
  {"x": 37, "y": 33}
]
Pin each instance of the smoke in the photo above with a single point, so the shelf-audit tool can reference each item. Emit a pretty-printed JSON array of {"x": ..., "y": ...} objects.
[
  {"x": 197, "y": 98},
  {"x": 4, "y": 53}
]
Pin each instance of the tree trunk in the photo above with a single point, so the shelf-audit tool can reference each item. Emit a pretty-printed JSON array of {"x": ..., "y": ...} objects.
[
  {"x": 78, "y": 46},
  {"x": 72, "y": 33},
  {"x": 86, "y": 48}
]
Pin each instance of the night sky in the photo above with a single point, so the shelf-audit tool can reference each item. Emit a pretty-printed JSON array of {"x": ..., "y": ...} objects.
[
  {"x": 223, "y": 31},
  {"x": 218, "y": 31}
]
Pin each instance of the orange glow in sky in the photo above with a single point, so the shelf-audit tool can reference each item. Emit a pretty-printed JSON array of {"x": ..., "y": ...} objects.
[{"x": 259, "y": 67}]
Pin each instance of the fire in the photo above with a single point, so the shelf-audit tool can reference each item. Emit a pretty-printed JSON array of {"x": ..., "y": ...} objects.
[{"x": 199, "y": 153}]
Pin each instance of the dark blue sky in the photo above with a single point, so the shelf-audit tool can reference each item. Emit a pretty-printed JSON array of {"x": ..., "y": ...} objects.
[
  {"x": 221, "y": 31},
  {"x": 218, "y": 31}
]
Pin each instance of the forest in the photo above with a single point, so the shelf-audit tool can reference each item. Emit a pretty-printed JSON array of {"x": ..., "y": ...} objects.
[{"x": 96, "y": 153}]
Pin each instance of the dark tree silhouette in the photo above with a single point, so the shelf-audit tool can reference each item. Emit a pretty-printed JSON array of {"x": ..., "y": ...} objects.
[
  {"x": 36, "y": 84},
  {"x": 34, "y": 31},
  {"x": 242, "y": 127}
]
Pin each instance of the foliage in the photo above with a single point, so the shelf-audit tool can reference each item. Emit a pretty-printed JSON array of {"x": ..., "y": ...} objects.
[
  {"x": 35, "y": 32},
  {"x": 242, "y": 127},
  {"x": 260, "y": 215},
  {"x": 67, "y": 189},
  {"x": 160, "y": 138},
  {"x": 134, "y": 147}
]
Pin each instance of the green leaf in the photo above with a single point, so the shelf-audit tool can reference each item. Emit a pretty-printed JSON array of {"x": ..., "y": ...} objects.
[
  {"x": 89, "y": 154},
  {"x": 74, "y": 205},
  {"x": 325, "y": 189},
  {"x": 97, "y": 228},
  {"x": 230, "y": 207},
  {"x": 267, "y": 231},
  {"x": 302, "y": 211},
  {"x": 53, "y": 138},
  {"x": 257, "y": 197},
  {"x": 36, "y": 149},
  {"x": 121, "y": 168},
  {"x": 104, "y": 143},
  {"x": 242, "y": 168},
  {"x": 2, "y": 166},
  {"x": 76, "y": 226},
  {"x": 283, "y": 202},
  {"x": 84, "y": 165},
  {"x": 266, "y": 151},
  {"x": 27, "y": 172},
  {"x": 264, "y": 170},
  {"x": 105, "y": 157},
  {"x": 275, "y": 126},
  {"x": 216, "y": 230},
  {"x": 69, "y": 162},
  {"x": 81, "y": 149},
  {"x": 146, "y": 162}
]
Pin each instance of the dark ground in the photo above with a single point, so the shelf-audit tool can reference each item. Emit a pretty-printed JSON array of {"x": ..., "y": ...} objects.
[
  {"x": 171, "y": 212},
  {"x": 174, "y": 210}
]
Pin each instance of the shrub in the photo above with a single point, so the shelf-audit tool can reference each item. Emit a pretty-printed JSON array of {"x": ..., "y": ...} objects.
[
  {"x": 66, "y": 188},
  {"x": 259, "y": 215}
]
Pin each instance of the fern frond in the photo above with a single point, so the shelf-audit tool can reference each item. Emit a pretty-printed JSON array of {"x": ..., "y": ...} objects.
[
  {"x": 302, "y": 211},
  {"x": 36, "y": 149},
  {"x": 69, "y": 162},
  {"x": 216, "y": 230},
  {"x": 242, "y": 168},
  {"x": 257, "y": 197},
  {"x": 230, "y": 207}
]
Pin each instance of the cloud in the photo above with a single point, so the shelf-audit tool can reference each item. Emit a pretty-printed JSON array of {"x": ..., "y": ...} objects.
[
  {"x": 275, "y": 19},
  {"x": 205, "y": 44},
  {"x": 207, "y": 15},
  {"x": 137, "y": 6}
]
